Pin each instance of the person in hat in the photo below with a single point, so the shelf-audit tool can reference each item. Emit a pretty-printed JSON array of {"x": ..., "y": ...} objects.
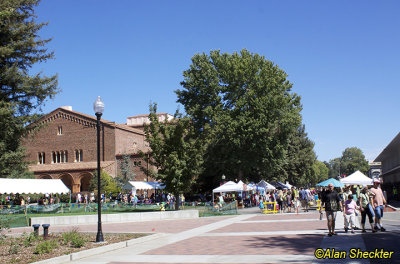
[{"x": 379, "y": 201}]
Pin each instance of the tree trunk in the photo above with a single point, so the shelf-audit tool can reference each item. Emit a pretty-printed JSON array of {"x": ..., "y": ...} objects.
[
  {"x": 176, "y": 202},
  {"x": 240, "y": 175}
]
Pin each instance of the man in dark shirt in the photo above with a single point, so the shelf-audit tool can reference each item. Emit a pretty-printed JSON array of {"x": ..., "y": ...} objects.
[{"x": 332, "y": 203}]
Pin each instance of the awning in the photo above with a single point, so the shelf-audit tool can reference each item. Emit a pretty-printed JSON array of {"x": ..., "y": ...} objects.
[
  {"x": 143, "y": 185},
  {"x": 357, "y": 178},
  {"x": 266, "y": 185},
  {"x": 230, "y": 186},
  {"x": 8, "y": 185},
  {"x": 333, "y": 181}
]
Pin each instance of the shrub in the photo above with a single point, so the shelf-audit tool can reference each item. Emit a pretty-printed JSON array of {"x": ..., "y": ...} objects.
[
  {"x": 31, "y": 238},
  {"x": 74, "y": 239},
  {"x": 4, "y": 224},
  {"x": 14, "y": 247},
  {"x": 78, "y": 241},
  {"x": 45, "y": 247}
]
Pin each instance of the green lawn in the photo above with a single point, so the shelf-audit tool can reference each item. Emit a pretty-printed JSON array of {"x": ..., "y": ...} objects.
[{"x": 20, "y": 220}]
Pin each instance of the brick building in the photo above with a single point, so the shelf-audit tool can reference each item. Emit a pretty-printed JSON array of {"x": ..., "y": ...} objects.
[
  {"x": 390, "y": 165},
  {"x": 65, "y": 147}
]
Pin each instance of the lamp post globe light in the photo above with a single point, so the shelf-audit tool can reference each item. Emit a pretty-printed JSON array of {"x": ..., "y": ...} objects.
[{"x": 98, "y": 107}]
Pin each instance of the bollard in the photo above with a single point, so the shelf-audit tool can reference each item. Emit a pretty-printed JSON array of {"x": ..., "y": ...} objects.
[
  {"x": 36, "y": 229},
  {"x": 45, "y": 230}
]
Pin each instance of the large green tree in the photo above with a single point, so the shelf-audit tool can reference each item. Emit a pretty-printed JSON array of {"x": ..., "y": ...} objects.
[
  {"x": 319, "y": 173},
  {"x": 22, "y": 92},
  {"x": 246, "y": 102},
  {"x": 352, "y": 159},
  {"x": 107, "y": 183},
  {"x": 176, "y": 152},
  {"x": 126, "y": 171},
  {"x": 300, "y": 158}
]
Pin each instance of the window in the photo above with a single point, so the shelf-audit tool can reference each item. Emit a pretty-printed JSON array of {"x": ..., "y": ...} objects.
[
  {"x": 78, "y": 155},
  {"x": 41, "y": 158},
  {"x": 59, "y": 130},
  {"x": 59, "y": 156}
]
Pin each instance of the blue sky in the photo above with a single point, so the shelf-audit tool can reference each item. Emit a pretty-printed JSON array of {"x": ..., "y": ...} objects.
[{"x": 341, "y": 56}]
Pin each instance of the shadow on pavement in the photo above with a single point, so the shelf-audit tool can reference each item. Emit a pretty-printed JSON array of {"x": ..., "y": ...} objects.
[
  {"x": 294, "y": 244},
  {"x": 389, "y": 241}
]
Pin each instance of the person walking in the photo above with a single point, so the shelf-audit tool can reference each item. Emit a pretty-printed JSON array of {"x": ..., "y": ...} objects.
[
  {"x": 279, "y": 199},
  {"x": 332, "y": 203},
  {"x": 304, "y": 199},
  {"x": 379, "y": 201},
  {"x": 366, "y": 209},
  {"x": 350, "y": 207}
]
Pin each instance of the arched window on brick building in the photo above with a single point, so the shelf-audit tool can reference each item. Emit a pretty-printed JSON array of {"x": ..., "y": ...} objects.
[{"x": 78, "y": 155}]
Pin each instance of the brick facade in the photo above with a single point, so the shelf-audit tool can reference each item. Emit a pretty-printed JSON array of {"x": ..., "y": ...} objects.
[{"x": 65, "y": 147}]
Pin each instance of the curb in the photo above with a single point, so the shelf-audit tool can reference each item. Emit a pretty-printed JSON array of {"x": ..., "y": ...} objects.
[
  {"x": 392, "y": 207},
  {"x": 97, "y": 250}
]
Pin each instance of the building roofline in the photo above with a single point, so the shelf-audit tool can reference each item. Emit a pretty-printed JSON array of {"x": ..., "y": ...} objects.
[
  {"x": 146, "y": 115},
  {"x": 395, "y": 140},
  {"x": 92, "y": 118}
]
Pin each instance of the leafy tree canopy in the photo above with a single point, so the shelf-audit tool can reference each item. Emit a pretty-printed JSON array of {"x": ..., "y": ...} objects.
[
  {"x": 300, "y": 158},
  {"x": 320, "y": 172},
  {"x": 21, "y": 93},
  {"x": 352, "y": 159},
  {"x": 107, "y": 183},
  {"x": 126, "y": 173},
  {"x": 246, "y": 102},
  {"x": 176, "y": 153}
]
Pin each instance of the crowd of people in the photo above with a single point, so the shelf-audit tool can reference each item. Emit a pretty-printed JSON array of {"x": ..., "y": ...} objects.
[
  {"x": 368, "y": 201},
  {"x": 286, "y": 200},
  {"x": 131, "y": 198},
  {"x": 352, "y": 200}
]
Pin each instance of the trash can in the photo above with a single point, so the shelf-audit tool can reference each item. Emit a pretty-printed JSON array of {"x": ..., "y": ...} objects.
[
  {"x": 36, "y": 229},
  {"x": 45, "y": 230}
]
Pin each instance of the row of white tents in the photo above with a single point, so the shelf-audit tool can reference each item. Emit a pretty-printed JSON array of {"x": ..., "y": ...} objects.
[
  {"x": 56, "y": 186},
  {"x": 357, "y": 178},
  {"x": 231, "y": 186}
]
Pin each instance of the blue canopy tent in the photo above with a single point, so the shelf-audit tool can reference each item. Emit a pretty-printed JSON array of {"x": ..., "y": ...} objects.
[
  {"x": 335, "y": 183},
  {"x": 279, "y": 185}
]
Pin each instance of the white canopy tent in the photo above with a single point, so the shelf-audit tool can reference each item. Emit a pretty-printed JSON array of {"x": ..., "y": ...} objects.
[
  {"x": 26, "y": 186},
  {"x": 143, "y": 185},
  {"x": 230, "y": 186},
  {"x": 242, "y": 185},
  {"x": 357, "y": 178}
]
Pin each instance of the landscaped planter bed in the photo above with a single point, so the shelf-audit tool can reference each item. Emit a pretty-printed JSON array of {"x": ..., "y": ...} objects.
[{"x": 28, "y": 248}]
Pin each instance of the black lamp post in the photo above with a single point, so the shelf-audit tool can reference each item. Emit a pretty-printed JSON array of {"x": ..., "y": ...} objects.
[{"x": 98, "y": 107}]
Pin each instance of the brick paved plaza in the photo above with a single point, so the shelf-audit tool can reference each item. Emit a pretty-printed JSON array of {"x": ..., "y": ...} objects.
[{"x": 246, "y": 238}]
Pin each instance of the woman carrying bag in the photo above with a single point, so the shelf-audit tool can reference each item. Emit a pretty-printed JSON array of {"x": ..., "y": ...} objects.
[{"x": 366, "y": 209}]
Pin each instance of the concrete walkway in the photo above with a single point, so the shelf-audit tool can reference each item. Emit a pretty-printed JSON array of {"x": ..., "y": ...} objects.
[{"x": 250, "y": 237}]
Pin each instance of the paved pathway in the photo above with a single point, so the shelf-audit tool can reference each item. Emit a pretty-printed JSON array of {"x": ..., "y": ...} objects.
[{"x": 250, "y": 237}]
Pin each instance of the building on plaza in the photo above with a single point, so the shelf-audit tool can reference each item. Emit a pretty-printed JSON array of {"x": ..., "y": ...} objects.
[
  {"x": 65, "y": 147},
  {"x": 139, "y": 121},
  {"x": 390, "y": 165},
  {"x": 375, "y": 169}
]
